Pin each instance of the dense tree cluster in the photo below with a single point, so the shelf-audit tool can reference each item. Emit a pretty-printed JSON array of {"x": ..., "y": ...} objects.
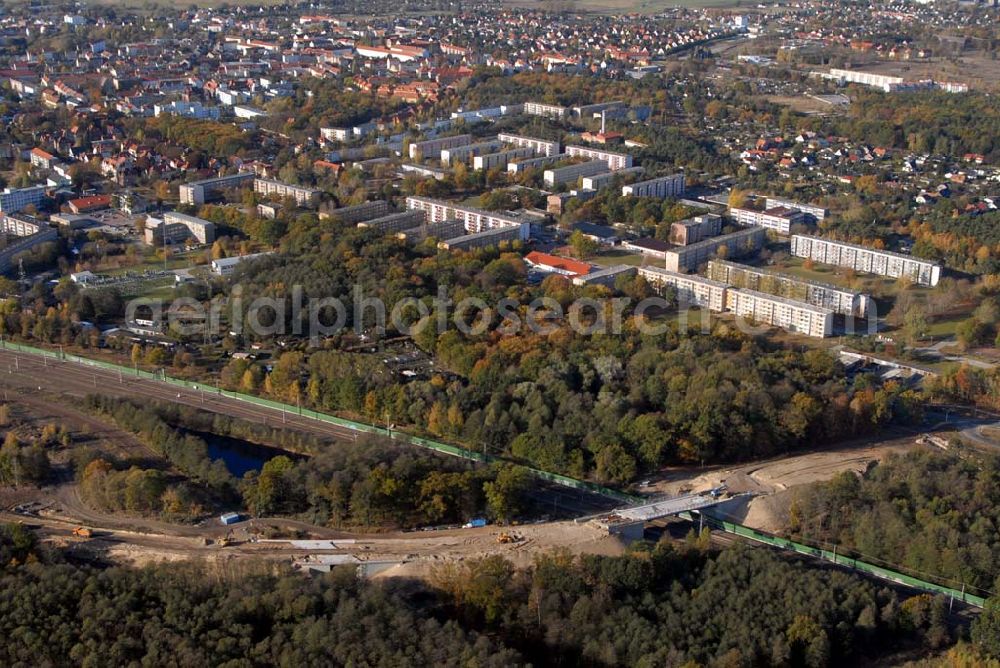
[
  {"x": 660, "y": 606},
  {"x": 934, "y": 514}
]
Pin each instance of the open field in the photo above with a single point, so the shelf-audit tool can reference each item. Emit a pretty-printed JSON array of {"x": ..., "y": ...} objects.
[{"x": 615, "y": 256}]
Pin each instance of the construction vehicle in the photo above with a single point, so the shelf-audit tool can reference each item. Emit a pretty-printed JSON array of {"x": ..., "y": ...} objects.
[
  {"x": 505, "y": 538},
  {"x": 82, "y": 532}
]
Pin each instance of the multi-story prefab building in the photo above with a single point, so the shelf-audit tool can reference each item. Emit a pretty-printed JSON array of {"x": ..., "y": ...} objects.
[
  {"x": 738, "y": 244},
  {"x": 547, "y": 110},
  {"x": 476, "y": 220},
  {"x": 22, "y": 244},
  {"x": 448, "y": 229},
  {"x": 175, "y": 228},
  {"x": 570, "y": 173},
  {"x": 13, "y": 200},
  {"x": 662, "y": 188},
  {"x": 540, "y": 146},
  {"x": 359, "y": 213},
  {"x": 306, "y": 197},
  {"x": 485, "y": 239},
  {"x": 197, "y": 193},
  {"x": 838, "y": 300},
  {"x": 691, "y": 290},
  {"x": 692, "y": 230},
  {"x": 449, "y": 156},
  {"x": 615, "y": 161},
  {"x": 779, "y": 219},
  {"x": 866, "y": 260},
  {"x": 422, "y": 149},
  {"x": 21, "y": 225},
  {"x": 598, "y": 181},
  {"x": 501, "y": 159},
  {"x": 521, "y": 166},
  {"x": 789, "y": 314},
  {"x": 395, "y": 222},
  {"x": 817, "y": 213}
]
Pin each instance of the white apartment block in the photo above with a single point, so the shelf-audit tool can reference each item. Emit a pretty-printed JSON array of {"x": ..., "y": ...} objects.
[
  {"x": 395, "y": 222},
  {"x": 176, "y": 228},
  {"x": 662, "y": 188},
  {"x": 779, "y": 219},
  {"x": 882, "y": 81},
  {"x": 540, "y": 146},
  {"x": 866, "y": 260},
  {"x": 599, "y": 181},
  {"x": 817, "y": 212},
  {"x": 359, "y": 213},
  {"x": 615, "y": 161},
  {"x": 691, "y": 290},
  {"x": 13, "y": 200},
  {"x": 570, "y": 173},
  {"x": 839, "y": 300},
  {"x": 484, "y": 239},
  {"x": 465, "y": 153},
  {"x": 738, "y": 244},
  {"x": 476, "y": 220},
  {"x": 197, "y": 193},
  {"x": 547, "y": 110},
  {"x": 306, "y": 197},
  {"x": 794, "y": 316},
  {"x": 421, "y": 149},
  {"x": 522, "y": 166},
  {"x": 501, "y": 159},
  {"x": 22, "y": 226}
]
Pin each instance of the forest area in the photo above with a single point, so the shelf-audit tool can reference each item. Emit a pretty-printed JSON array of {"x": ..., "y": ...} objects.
[{"x": 662, "y": 605}]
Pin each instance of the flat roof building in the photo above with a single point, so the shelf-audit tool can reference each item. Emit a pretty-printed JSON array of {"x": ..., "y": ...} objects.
[
  {"x": 570, "y": 173},
  {"x": 465, "y": 153},
  {"x": 738, "y": 244},
  {"x": 540, "y": 146},
  {"x": 866, "y": 260},
  {"x": 423, "y": 149},
  {"x": 521, "y": 166},
  {"x": 779, "y": 219},
  {"x": 476, "y": 220},
  {"x": 607, "y": 276},
  {"x": 359, "y": 213},
  {"x": 692, "y": 230},
  {"x": 661, "y": 188},
  {"x": 501, "y": 159},
  {"x": 794, "y": 316},
  {"x": 304, "y": 197},
  {"x": 690, "y": 289},
  {"x": 599, "y": 181},
  {"x": 615, "y": 161},
  {"x": 839, "y": 300},
  {"x": 13, "y": 200},
  {"x": 484, "y": 239},
  {"x": 175, "y": 228},
  {"x": 197, "y": 193},
  {"x": 395, "y": 222},
  {"x": 547, "y": 110}
]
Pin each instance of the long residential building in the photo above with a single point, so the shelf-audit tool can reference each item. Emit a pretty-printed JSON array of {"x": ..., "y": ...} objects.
[
  {"x": 306, "y": 197},
  {"x": 540, "y": 146},
  {"x": 534, "y": 163},
  {"x": 691, "y": 290},
  {"x": 816, "y": 212},
  {"x": 501, "y": 159},
  {"x": 476, "y": 220},
  {"x": 789, "y": 314},
  {"x": 738, "y": 244},
  {"x": 547, "y": 110},
  {"x": 395, "y": 222},
  {"x": 662, "y": 188},
  {"x": 780, "y": 219},
  {"x": 484, "y": 239},
  {"x": 421, "y": 149},
  {"x": 359, "y": 213},
  {"x": 866, "y": 260},
  {"x": 176, "y": 228},
  {"x": 13, "y": 200},
  {"x": 598, "y": 181},
  {"x": 615, "y": 161},
  {"x": 197, "y": 193},
  {"x": 570, "y": 173},
  {"x": 448, "y": 229},
  {"x": 839, "y": 300},
  {"x": 21, "y": 225},
  {"x": 465, "y": 153}
]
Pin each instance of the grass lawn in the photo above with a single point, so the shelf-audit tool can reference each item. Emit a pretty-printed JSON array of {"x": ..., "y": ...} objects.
[{"x": 610, "y": 258}]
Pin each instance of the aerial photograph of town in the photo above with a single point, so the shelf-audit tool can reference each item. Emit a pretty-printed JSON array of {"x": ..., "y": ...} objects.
[{"x": 488, "y": 333}]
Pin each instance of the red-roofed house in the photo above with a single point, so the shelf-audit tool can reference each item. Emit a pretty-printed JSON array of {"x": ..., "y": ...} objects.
[
  {"x": 88, "y": 204},
  {"x": 556, "y": 264},
  {"x": 42, "y": 159}
]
